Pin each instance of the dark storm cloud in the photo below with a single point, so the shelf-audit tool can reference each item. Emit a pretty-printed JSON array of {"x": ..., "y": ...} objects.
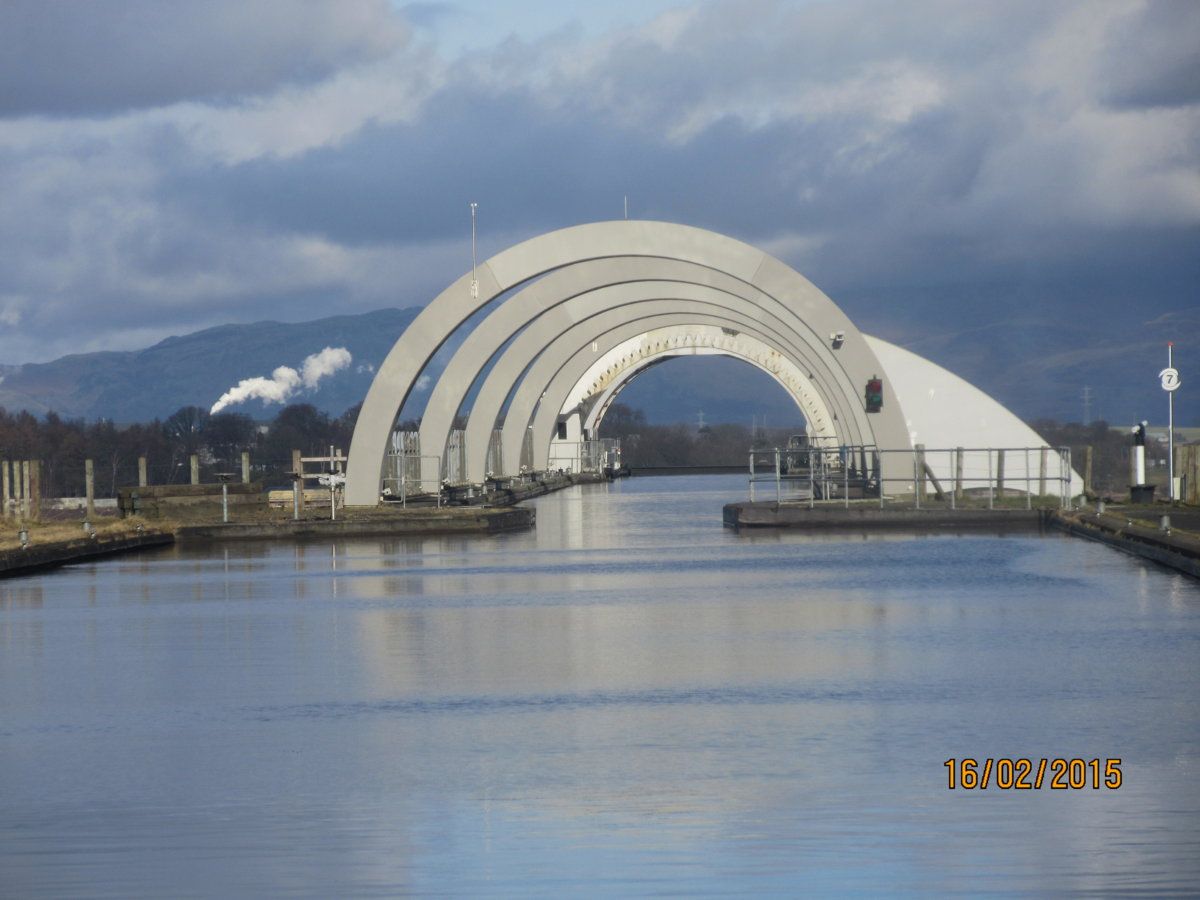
[
  {"x": 526, "y": 165},
  {"x": 105, "y": 56},
  {"x": 938, "y": 182}
]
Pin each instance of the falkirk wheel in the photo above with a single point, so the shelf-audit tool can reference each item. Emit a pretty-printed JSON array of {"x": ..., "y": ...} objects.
[{"x": 582, "y": 311}]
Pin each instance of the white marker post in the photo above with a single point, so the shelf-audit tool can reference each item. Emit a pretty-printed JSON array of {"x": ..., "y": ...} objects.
[
  {"x": 1169, "y": 377},
  {"x": 1137, "y": 464}
]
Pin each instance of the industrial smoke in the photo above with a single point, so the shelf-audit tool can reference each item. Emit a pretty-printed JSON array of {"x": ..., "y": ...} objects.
[{"x": 285, "y": 381}]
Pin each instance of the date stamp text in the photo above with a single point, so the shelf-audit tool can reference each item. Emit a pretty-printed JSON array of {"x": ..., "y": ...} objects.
[{"x": 1006, "y": 774}]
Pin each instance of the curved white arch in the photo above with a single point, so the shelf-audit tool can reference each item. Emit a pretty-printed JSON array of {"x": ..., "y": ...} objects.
[
  {"x": 577, "y": 323},
  {"x": 571, "y": 383},
  {"x": 788, "y": 377},
  {"x": 558, "y": 305},
  {"x": 540, "y": 312},
  {"x": 535, "y": 391},
  {"x": 576, "y": 350},
  {"x": 624, "y": 362},
  {"x": 852, "y": 361}
]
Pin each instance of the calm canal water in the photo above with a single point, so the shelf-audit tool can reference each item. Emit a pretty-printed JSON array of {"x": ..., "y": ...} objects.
[{"x": 628, "y": 700}]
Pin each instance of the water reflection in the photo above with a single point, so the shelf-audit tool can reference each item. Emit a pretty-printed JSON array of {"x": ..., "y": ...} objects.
[{"x": 628, "y": 699}]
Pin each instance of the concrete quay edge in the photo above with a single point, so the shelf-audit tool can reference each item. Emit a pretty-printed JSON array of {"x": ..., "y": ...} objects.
[
  {"x": 1180, "y": 552},
  {"x": 410, "y": 523},
  {"x": 769, "y": 514},
  {"x": 39, "y": 557}
]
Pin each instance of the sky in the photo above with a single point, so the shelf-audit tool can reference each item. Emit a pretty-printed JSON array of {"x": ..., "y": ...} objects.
[{"x": 936, "y": 167}]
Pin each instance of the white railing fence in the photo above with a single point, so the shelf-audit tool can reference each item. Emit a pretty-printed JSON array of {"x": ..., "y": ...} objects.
[{"x": 946, "y": 476}]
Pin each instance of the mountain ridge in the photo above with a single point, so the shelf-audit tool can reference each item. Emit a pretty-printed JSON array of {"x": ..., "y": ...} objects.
[{"x": 1027, "y": 364}]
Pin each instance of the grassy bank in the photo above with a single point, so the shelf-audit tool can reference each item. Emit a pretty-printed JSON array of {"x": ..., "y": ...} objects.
[{"x": 62, "y": 532}]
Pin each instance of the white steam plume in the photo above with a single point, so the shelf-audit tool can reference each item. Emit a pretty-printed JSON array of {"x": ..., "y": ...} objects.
[
  {"x": 285, "y": 380},
  {"x": 324, "y": 363}
]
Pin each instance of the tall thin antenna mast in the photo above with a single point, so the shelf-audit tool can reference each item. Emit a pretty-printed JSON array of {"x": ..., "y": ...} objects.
[
  {"x": 1087, "y": 405},
  {"x": 626, "y": 207},
  {"x": 474, "y": 280}
]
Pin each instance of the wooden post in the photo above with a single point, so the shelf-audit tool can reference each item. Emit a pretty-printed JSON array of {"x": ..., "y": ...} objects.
[
  {"x": 1087, "y": 469},
  {"x": 195, "y": 464},
  {"x": 958, "y": 473},
  {"x": 24, "y": 489},
  {"x": 297, "y": 471},
  {"x": 1042, "y": 472},
  {"x": 17, "y": 506},
  {"x": 143, "y": 475},
  {"x": 5, "y": 489},
  {"x": 1000, "y": 473},
  {"x": 937, "y": 485},
  {"x": 332, "y": 489},
  {"x": 921, "y": 467},
  {"x": 35, "y": 490},
  {"x": 89, "y": 487},
  {"x": 1191, "y": 472},
  {"x": 245, "y": 467}
]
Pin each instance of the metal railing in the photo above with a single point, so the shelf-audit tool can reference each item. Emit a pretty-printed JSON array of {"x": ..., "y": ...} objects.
[
  {"x": 403, "y": 479},
  {"x": 955, "y": 474},
  {"x": 585, "y": 456}
]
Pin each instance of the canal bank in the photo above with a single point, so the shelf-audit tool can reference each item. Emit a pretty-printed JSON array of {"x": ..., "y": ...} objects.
[
  {"x": 371, "y": 523},
  {"x": 869, "y": 517},
  {"x": 1133, "y": 529},
  {"x": 496, "y": 512},
  {"x": 39, "y": 557}
]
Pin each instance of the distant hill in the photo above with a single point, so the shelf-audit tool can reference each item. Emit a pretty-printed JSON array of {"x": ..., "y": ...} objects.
[
  {"x": 197, "y": 368},
  {"x": 1036, "y": 367}
]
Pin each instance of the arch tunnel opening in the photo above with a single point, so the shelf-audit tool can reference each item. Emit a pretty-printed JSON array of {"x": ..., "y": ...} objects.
[{"x": 699, "y": 410}]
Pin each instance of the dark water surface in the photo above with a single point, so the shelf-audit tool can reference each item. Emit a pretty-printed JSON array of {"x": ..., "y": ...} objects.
[{"x": 628, "y": 700}]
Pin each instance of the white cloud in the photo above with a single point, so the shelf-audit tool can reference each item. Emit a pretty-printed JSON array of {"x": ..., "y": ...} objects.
[{"x": 10, "y": 311}]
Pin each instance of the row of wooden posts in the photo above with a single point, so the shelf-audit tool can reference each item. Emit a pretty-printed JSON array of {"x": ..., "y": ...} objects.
[
  {"x": 21, "y": 492},
  {"x": 21, "y": 484},
  {"x": 21, "y": 488}
]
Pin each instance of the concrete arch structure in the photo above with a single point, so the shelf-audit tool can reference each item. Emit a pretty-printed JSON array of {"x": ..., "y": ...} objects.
[
  {"x": 546, "y": 360},
  {"x": 584, "y": 378},
  {"x": 604, "y": 396},
  {"x": 612, "y": 245},
  {"x": 539, "y": 314},
  {"x": 542, "y": 394},
  {"x": 581, "y": 320}
]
